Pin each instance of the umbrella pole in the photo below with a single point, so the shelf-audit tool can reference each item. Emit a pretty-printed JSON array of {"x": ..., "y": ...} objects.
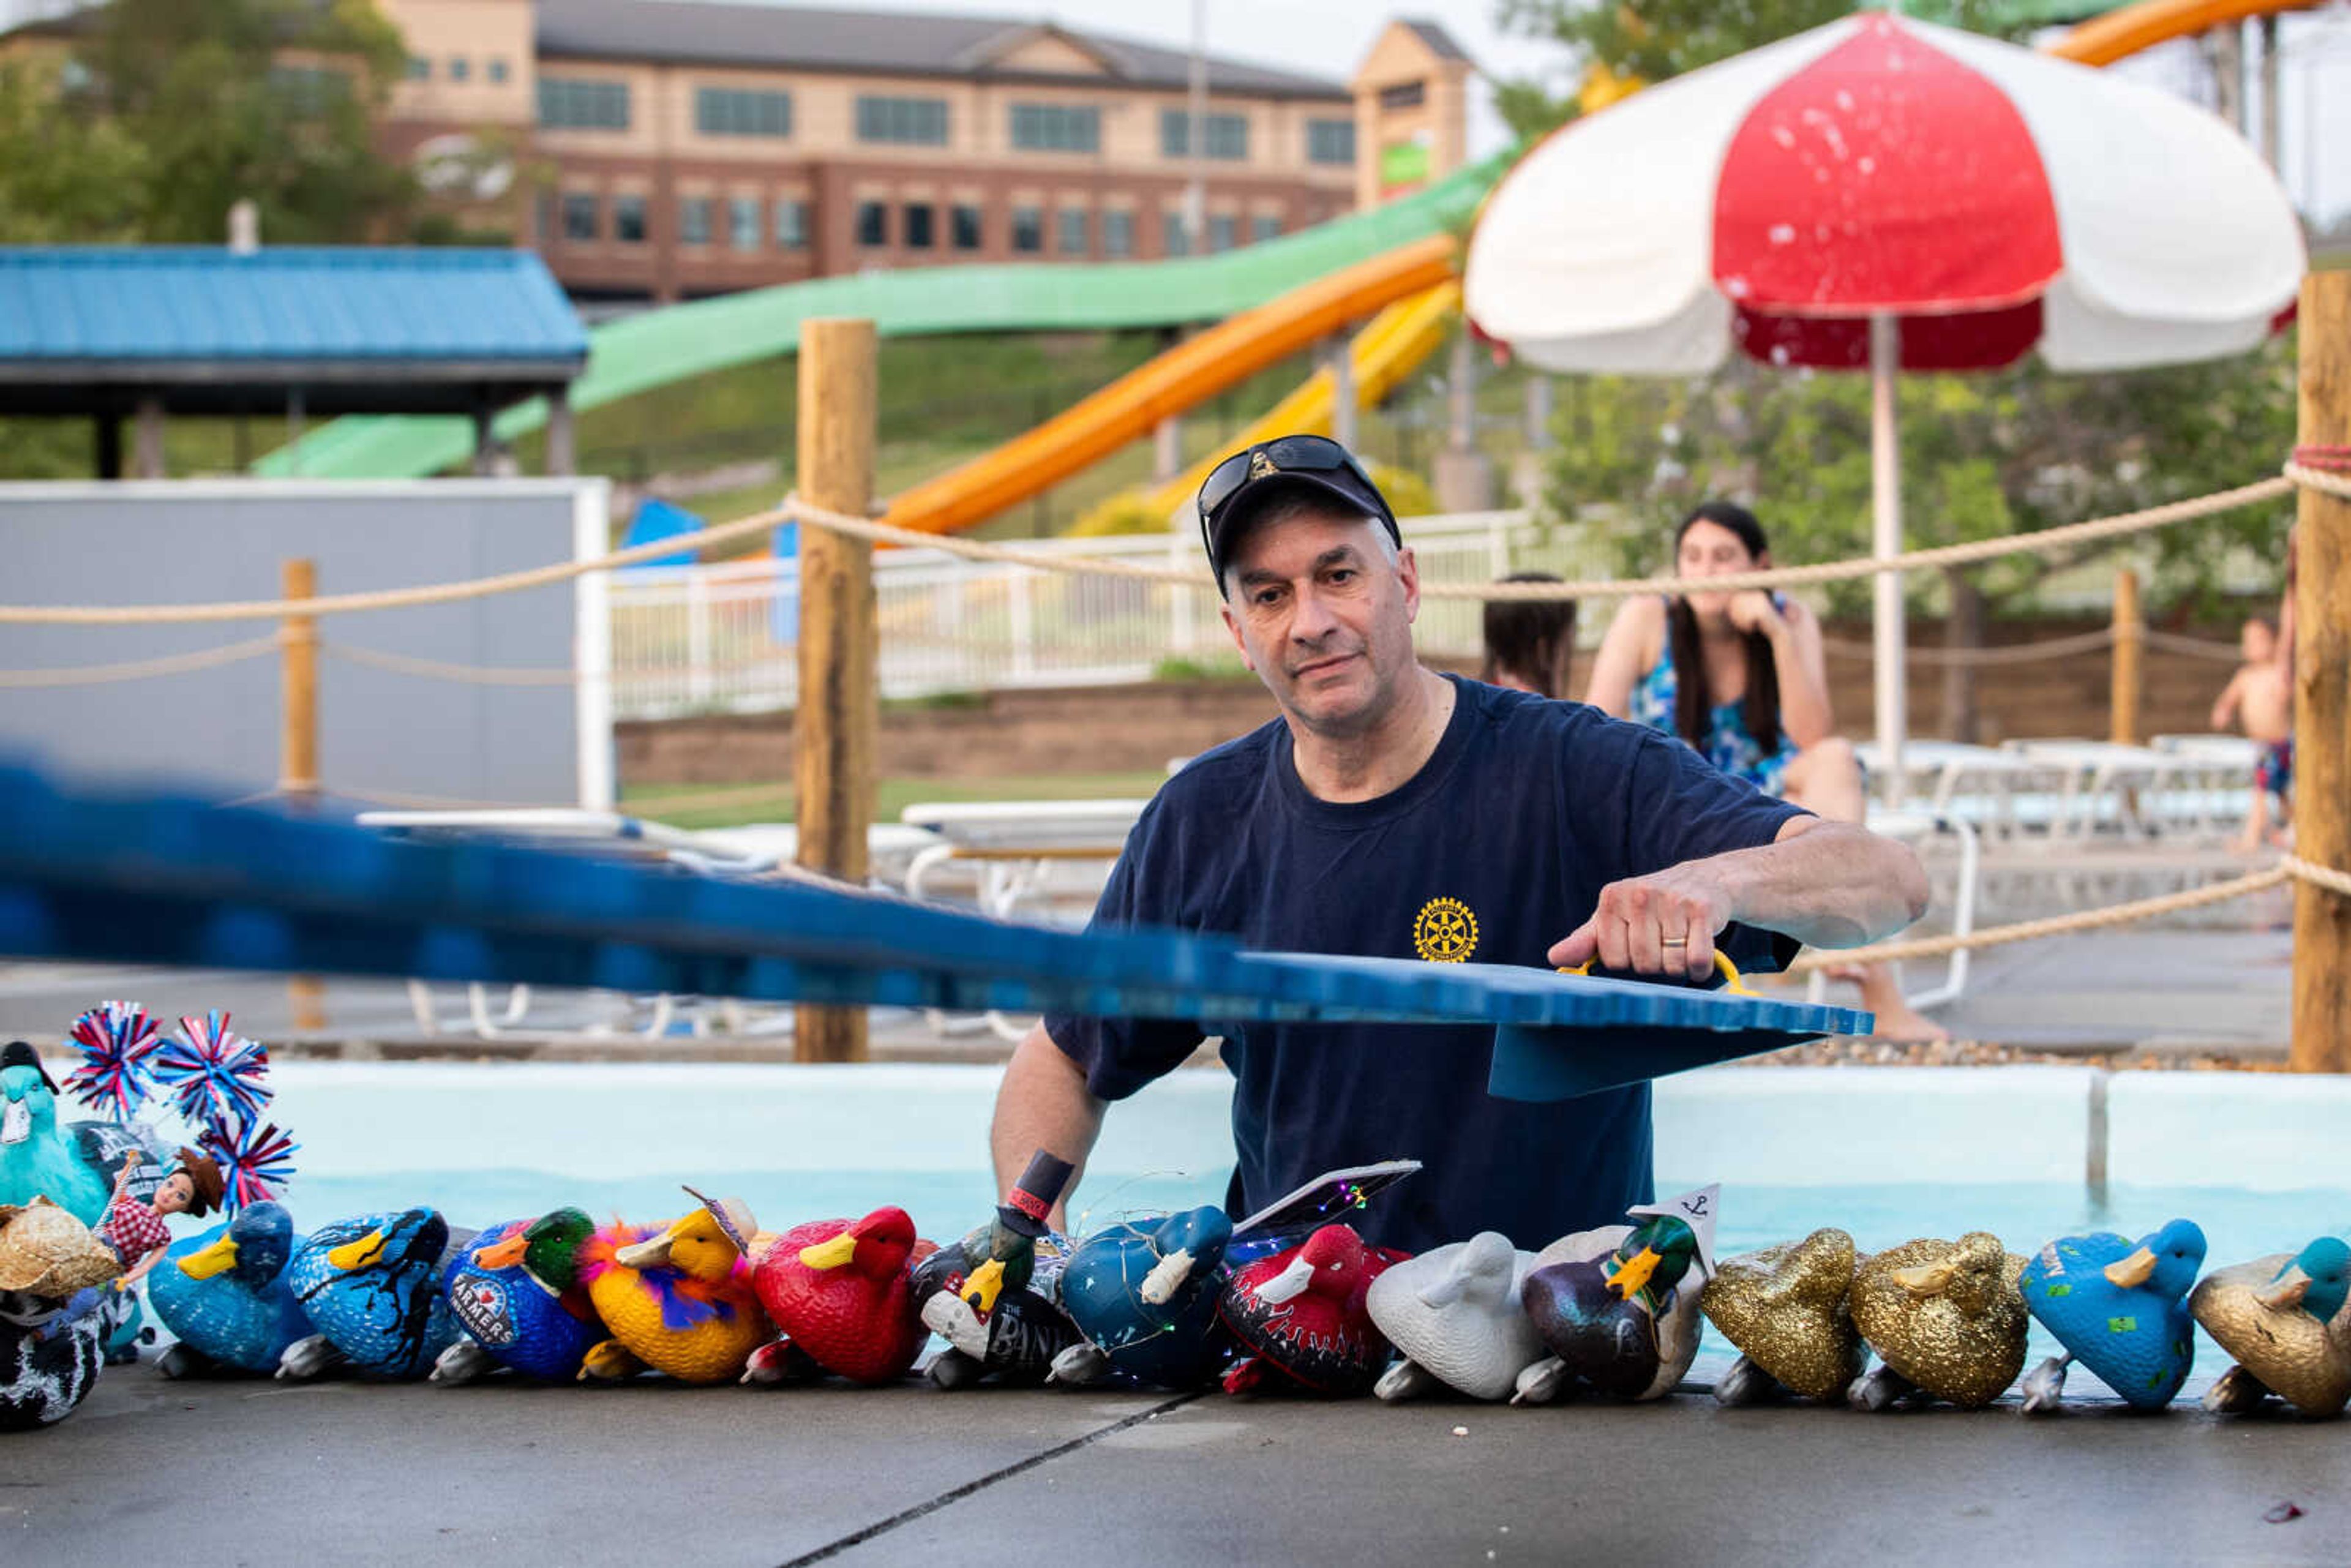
[{"x": 1885, "y": 542}]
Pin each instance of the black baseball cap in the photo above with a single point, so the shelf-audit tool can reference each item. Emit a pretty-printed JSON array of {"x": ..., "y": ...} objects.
[{"x": 1236, "y": 492}]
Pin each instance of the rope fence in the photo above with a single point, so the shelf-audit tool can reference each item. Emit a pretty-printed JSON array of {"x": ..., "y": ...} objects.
[{"x": 139, "y": 669}]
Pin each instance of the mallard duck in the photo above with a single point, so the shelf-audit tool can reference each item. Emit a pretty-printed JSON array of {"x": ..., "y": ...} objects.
[
  {"x": 2120, "y": 1308},
  {"x": 371, "y": 1287},
  {"x": 228, "y": 1297},
  {"x": 1142, "y": 1295},
  {"x": 1946, "y": 1317},
  {"x": 1620, "y": 1317},
  {"x": 678, "y": 1298},
  {"x": 516, "y": 1295},
  {"x": 2282, "y": 1319},
  {"x": 1456, "y": 1319},
  {"x": 991, "y": 1295},
  {"x": 1300, "y": 1319},
  {"x": 1786, "y": 1309},
  {"x": 51, "y": 1272},
  {"x": 842, "y": 1298}
]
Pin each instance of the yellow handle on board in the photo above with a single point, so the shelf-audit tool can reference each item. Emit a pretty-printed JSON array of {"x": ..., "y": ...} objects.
[{"x": 1733, "y": 981}]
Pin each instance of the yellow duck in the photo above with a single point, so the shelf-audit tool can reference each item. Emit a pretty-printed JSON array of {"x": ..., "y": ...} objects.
[
  {"x": 678, "y": 1298},
  {"x": 1786, "y": 1309},
  {"x": 1945, "y": 1316},
  {"x": 2283, "y": 1320}
]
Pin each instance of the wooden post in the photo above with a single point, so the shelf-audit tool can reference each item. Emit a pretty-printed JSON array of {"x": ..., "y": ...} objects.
[
  {"x": 297, "y": 646},
  {"x": 2130, "y": 646},
  {"x": 839, "y": 708},
  {"x": 2320, "y": 1040}
]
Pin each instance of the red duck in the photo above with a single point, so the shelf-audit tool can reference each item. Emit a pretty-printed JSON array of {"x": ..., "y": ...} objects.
[
  {"x": 1300, "y": 1319},
  {"x": 839, "y": 1294}
]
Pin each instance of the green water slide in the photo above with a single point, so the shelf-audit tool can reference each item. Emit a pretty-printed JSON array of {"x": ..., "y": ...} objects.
[{"x": 661, "y": 347}]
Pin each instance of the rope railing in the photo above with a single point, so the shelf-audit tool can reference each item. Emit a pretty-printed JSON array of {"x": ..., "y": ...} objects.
[{"x": 139, "y": 669}]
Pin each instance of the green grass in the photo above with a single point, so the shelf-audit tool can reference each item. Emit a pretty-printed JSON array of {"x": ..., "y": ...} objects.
[{"x": 733, "y": 805}]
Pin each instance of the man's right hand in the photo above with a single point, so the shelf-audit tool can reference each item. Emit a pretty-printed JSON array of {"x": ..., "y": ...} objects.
[{"x": 1662, "y": 923}]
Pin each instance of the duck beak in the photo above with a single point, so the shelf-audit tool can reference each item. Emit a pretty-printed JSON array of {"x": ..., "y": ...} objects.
[
  {"x": 1166, "y": 1277},
  {"x": 2285, "y": 1291},
  {"x": 1628, "y": 1280},
  {"x": 647, "y": 1254},
  {"x": 2132, "y": 1271},
  {"x": 1288, "y": 1285},
  {"x": 15, "y": 1122},
  {"x": 502, "y": 1254},
  {"x": 217, "y": 1258},
  {"x": 1926, "y": 1278},
  {"x": 833, "y": 1254},
  {"x": 986, "y": 1283},
  {"x": 354, "y": 1255}
]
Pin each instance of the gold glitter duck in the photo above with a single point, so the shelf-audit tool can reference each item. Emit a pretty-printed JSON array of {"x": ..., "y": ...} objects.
[
  {"x": 1945, "y": 1316},
  {"x": 1785, "y": 1308},
  {"x": 2284, "y": 1321}
]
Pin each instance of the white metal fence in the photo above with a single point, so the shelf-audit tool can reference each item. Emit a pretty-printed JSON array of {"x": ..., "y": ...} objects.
[{"x": 722, "y": 638}]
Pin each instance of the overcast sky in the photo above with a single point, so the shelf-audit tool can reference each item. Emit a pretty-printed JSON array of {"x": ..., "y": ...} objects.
[{"x": 1329, "y": 36}]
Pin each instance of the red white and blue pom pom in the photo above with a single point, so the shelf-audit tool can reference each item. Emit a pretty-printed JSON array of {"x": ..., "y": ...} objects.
[
  {"x": 212, "y": 1072},
  {"x": 256, "y": 1162},
  {"x": 116, "y": 1074}
]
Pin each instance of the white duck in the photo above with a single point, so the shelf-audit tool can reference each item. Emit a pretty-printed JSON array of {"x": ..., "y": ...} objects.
[{"x": 1454, "y": 1316}]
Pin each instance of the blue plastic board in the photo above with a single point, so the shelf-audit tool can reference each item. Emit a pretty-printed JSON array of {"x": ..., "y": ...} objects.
[{"x": 144, "y": 878}]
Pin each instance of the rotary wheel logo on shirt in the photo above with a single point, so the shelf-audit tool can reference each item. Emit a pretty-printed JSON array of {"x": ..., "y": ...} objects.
[{"x": 1444, "y": 932}]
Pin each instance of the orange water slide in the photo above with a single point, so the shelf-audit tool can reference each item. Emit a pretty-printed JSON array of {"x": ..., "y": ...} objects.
[
  {"x": 2103, "y": 41},
  {"x": 1196, "y": 368}
]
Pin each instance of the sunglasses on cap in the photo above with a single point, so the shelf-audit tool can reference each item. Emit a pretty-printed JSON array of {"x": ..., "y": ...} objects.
[{"x": 1316, "y": 457}]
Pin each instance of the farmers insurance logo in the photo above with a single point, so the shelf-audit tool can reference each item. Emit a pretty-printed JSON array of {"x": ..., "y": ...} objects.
[{"x": 1445, "y": 932}]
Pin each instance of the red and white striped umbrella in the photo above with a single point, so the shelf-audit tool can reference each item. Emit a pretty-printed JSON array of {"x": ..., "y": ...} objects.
[{"x": 1885, "y": 193}]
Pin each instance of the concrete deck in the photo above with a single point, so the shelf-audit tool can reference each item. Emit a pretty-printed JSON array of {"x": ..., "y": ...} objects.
[{"x": 271, "y": 1473}]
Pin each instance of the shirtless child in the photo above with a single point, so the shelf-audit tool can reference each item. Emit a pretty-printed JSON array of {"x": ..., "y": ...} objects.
[{"x": 2261, "y": 697}]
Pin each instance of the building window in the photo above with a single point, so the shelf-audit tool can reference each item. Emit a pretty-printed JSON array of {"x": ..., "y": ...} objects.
[
  {"x": 460, "y": 67},
  {"x": 629, "y": 219},
  {"x": 1073, "y": 238},
  {"x": 1118, "y": 233},
  {"x": 544, "y": 218},
  {"x": 1330, "y": 141},
  {"x": 908, "y": 121},
  {"x": 1224, "y": 136},
  {"x": 918, "y": 225},
  {"x": 1224, "y": 231},
  {"x": 1403, "y": 95},
  {"x": 872, "y": 223},
  {"x": 1263, "y": 227},
  {"x": 309, "y": 89},
  {"x": 1056, "y": 128},
  {"x": 791, "y": 224},
  {"x": 1028, "y": 230},
  {"x": 743, "y": 222},
  {"x": 566, "y": 103},
  {"x": 497, "y": 67},
  {"x": 1173, "y": 239},
  {"x": 419, "y": 68},
  {"x": 725, "y": 111},
  {"x": 580, "y": 216},
  {"x": 694, "y": 219},
  {"x": 969, "y": 231}
]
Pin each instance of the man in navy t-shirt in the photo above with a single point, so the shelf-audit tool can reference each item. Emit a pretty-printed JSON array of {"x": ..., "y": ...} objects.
[{"x": 1395, "y": 812}]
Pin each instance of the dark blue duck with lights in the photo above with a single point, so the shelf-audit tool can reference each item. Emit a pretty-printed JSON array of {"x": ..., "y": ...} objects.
[
  {"x": 228, "y": 1297},
  {"x": 516, "y": 1294},
  {"x": 2119, "y": 1308},
  {"x": 371, "y": 1287},
  {"x": 1143, "y": 1295}
]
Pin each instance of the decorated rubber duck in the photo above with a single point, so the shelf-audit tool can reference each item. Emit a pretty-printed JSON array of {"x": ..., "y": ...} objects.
[
  {"x": 1300, "y": 1319},
  {"x": 678, "y": 1298},
  {"x": 842, "y": 1298},
  {"x": 991, "y": 1295},
  {"x": 51, "y": 1273},
  {"x": 1945, "y": 1316},
  {"x": 516, "y": 1295},
  {"x": 1786, "y": 1309},
  {"x": 1455, "y": 1317},
  {"x": 2282, "y": 1319},
  {"x": 1142, "y": 1295},
  {"x": 371, "y": 1287},
  {"x": 1617, "y": 1308},
  {"x": 72, "y": 1167},
  {"x": 227, "y": 1296},
  {"x": 2119, "y": 1308}
]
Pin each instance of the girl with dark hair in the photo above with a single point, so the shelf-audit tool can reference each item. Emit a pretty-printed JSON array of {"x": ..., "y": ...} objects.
[
  {"x": 1529, "y": 641},
  {"x": 1741, "y": 677}
]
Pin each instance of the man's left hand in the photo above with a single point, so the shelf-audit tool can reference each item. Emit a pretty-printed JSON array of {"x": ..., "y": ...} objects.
[{"x": 1662, "y": 923}]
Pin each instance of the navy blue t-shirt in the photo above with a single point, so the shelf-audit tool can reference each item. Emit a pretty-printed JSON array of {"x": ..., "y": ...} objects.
[{"x": 1494, "y": 850}]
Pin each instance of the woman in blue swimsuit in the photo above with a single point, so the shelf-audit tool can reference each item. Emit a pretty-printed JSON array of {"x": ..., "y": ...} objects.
[{"x": 1740, "y": 677}]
